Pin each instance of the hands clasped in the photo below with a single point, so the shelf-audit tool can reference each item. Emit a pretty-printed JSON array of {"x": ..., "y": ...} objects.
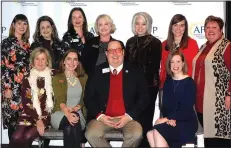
[
  {"x": 115, "y": 122},
  {"x": 167, "y": 121}
]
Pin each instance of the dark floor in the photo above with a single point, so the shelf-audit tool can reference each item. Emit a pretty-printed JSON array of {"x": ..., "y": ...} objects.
[{"x": 34, "y": 146}]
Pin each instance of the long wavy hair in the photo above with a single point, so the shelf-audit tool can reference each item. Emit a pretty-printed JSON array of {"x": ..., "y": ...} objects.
[
  {"x": 70, "y": 26},
  {"x": 79, "y": 69},
  {"x": 37, "y": 34},
  {"x": 170, "y": 40}
]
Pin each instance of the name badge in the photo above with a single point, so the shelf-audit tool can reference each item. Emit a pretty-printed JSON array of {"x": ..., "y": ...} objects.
[
  {"x": 105, "y": 70},
  {"x": 75, "y": 40},
  {"x": 95, "y": 46}
]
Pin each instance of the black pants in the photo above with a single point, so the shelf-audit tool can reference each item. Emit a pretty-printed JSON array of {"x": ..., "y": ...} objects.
[
  {"x": 72, "y": 134},
  {"x": 146, "y": 117},
  {"x": 213, "y": 142}
]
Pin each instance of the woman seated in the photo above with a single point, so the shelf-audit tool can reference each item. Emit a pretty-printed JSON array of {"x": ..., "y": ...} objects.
[
  {"x": 37, "y": 100},
  {"x": 69, "y": 107},
  {"x": 179, "y": 123}
]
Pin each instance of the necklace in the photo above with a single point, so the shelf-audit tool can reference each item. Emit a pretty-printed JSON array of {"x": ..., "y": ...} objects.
[
  {"x": 72, "y": 83},
  {"x": 175, "y": 85}
]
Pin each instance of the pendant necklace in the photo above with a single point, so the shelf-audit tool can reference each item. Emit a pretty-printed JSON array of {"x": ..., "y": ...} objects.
[{"x": 175, "y": 85}]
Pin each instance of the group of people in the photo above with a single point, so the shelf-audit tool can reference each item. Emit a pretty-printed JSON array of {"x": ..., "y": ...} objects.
[{"x": 87, "y": 86}]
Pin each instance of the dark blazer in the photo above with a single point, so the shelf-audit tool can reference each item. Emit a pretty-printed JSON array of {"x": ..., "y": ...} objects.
[
  {"x": 135, "y": 91},
  {"x": 90, "y": 54}
]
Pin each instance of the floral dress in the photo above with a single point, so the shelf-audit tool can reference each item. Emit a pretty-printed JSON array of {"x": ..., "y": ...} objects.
[{"x": 14, "y": 64}]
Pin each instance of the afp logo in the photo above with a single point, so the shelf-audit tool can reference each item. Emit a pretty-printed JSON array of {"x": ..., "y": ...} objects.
[
  {"x": 197, "y": 30},
  {"x": 92, "y": 29},
  {"x": 3, "y": 29}
]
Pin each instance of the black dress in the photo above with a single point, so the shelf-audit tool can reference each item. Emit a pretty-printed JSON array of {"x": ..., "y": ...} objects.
[{"x": 178, "y": 104}]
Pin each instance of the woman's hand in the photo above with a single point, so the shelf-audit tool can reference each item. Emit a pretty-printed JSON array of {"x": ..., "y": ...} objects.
[
  {"x": 161, "y": 120},
  {"x": 72, "y": 118},
  {"x": 227, "y": 102},
  {"x": 171, "y": 123},
  {"x": 40, "y": 127},
  {"x": 76, "y": 108}
]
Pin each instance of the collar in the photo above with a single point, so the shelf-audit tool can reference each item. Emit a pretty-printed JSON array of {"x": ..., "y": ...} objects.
[{"x": 118, "y": 69}]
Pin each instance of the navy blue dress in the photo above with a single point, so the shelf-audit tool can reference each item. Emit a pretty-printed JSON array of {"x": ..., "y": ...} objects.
[{"x": 178, "y": 104}]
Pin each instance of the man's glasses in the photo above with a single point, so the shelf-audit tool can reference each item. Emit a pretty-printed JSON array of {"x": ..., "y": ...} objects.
[{"x": 112, "y": 51}]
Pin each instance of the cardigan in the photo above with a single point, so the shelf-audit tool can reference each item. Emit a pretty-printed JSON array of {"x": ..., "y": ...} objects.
[{"x": 59, "y": 83}]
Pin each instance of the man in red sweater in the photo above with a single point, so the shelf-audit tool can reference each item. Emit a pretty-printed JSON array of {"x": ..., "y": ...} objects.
[{"x": 114, "y": 97}]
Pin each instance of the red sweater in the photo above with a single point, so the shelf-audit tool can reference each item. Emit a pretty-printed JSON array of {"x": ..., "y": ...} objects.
[
  {"x": 115, "y": 105},
  {"x": 190, "y": 52}
]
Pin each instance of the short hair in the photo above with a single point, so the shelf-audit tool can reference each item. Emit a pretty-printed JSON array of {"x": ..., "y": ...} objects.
[
  {"x": 36, "y": 52},
  {"x": 170, "y": 39},
  {"x": 147, "y": 18},
  {"x": 169, "y": 59},
  {"x": 70, "y": 27},
  {"x": 212, "y": 18},
  {"x": 79, "y": 69},
  {"x": 37, "y": 34},
  {"x": 108, "y": 19},
  {"x": 20, "y": 17},
  {"x": 120, "y": 42}
]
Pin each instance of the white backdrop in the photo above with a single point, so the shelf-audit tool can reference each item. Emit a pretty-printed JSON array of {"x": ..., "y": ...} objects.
[{"x": 121, "y": 13}]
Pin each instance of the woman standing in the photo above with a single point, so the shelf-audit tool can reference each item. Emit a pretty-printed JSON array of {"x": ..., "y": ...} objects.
[
  {"x": 178, "y": 39},
  {"x": 46, "y": 36},
  {"x": 37, "y": 100},
  {"x": 14, "y": 55},
  {"x": 211, "y": 72},
  {"x": 179, "y": 123},
  {"x": 77, "y": 33},
  {"x": 69, "y": 112},
  {"x": 94, "y": 53},
  {"x": 144, "y": 50}
]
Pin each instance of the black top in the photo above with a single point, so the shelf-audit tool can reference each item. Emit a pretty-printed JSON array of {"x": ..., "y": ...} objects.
[
  {"x": 55, "y": 50},
  {"x": 179, "y": 98},
  {"x": 72, "y": 40},
  {"x": 91, "y": 54},
  {"x": 145, "y": 52}
]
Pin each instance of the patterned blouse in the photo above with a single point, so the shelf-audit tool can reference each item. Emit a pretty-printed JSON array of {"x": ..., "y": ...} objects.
[
  {"x": 29, "y": 114},
  {"x": 72, "y": 40},
  {"x": 14, "y": 64}
]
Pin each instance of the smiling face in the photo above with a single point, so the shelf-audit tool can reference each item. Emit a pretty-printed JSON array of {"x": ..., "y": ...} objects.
[
  {"x": 104, "y": 26},
  {"x": 71, "y": 61},
  {"x": 46, "y": 30},
  {"x": 178, "y": 29},
  {"x": 177, "y": 65},
  {"x": 77, "y": 19},
  {"x": 20, "y": 27},
  {"x": 40, "y": 62},
  {"x": 212, "y": 31},
  {"x": 115, "y": 54},
  {"x": 140, "y": 26}
]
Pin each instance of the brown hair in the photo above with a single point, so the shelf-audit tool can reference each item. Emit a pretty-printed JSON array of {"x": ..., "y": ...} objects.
[
  {"x": 79, "y": 69},
  {"x": 37, "y": 34},
  {"x": 20, "y": 17},
  {"x": 170, "y": 39},
  {"x": 169, "y": 59},
  {"x": 212, "y": 18}
]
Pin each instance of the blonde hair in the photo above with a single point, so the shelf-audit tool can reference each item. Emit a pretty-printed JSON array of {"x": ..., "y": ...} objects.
[
  {"x": 108, "y": 19},
  {"x": 147, "y": 18},
  {"x": 38, "y": 51}
]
